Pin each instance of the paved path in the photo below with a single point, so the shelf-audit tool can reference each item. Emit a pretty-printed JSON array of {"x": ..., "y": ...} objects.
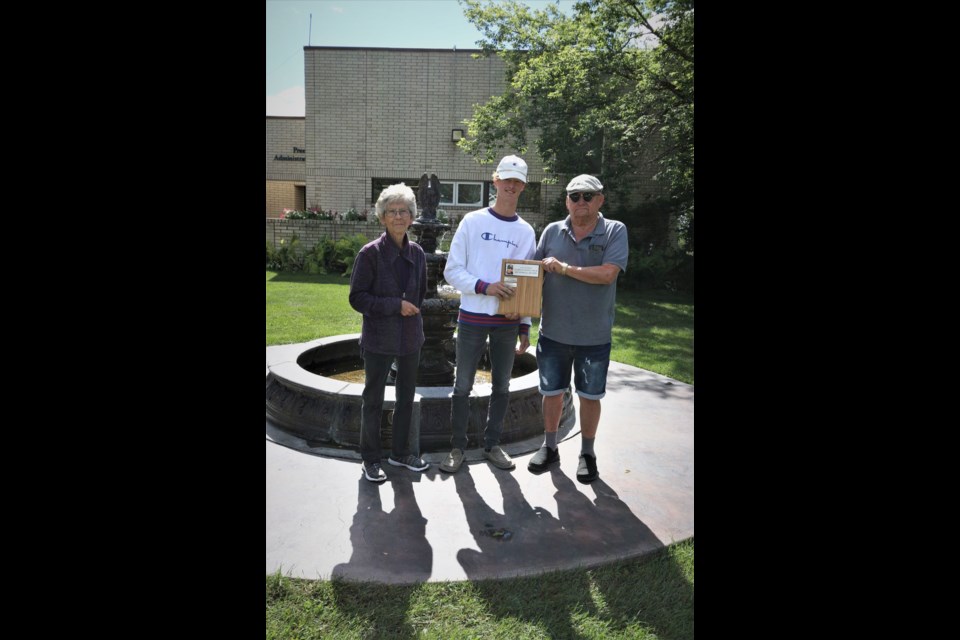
[{"x": 324, "y": 519}]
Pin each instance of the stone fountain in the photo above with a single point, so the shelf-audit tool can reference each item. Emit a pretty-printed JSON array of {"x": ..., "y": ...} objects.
[
  {"x": 439, "y": 313},
  {"x": 303, "y": 400}
]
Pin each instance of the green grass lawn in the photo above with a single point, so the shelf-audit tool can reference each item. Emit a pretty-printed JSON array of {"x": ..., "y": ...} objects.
[
  {"x": 645, "y": 599},
  {"x": 648, "y": 598},
  {"x": 303, "y": 307},
  {"x": 653, "y": 330}
]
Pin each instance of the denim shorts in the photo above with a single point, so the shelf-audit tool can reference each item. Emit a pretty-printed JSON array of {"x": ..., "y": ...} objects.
[{"x": 590, "y": 364}]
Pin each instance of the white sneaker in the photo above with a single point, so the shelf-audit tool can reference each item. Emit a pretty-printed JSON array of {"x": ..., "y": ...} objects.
[{"x": 453, "y": 461}]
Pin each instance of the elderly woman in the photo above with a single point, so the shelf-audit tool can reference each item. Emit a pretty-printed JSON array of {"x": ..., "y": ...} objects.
[{"x": 388, "y": 284}]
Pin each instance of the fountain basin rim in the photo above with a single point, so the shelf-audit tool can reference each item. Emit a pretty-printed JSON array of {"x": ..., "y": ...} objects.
[{"x": 282, "y": 364}]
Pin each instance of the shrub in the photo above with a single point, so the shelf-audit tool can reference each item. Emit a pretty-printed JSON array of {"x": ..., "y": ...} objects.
[
  {"x": 286, "y": 257},
  {"x": 345, "y": 252},
  {"x": 651, "y": 267},
  {"x": 324, "y": 251},
  {"x": 656, "y": 261},
  {"x": 326, "y": 256},
  {"x": 273, "y": 260},
  {"x": 313, "y": 213},
  {"x": 315, "y": 259}
]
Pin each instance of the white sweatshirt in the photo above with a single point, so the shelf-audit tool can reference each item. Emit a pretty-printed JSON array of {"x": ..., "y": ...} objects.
[{"x": 482, "y": 240}]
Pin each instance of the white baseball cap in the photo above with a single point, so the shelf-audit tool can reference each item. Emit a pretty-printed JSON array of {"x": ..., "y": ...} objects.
[{"x": 512, "y": 167}]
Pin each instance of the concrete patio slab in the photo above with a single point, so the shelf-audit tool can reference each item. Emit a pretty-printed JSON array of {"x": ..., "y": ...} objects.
[{"x": 323, "y": 519}]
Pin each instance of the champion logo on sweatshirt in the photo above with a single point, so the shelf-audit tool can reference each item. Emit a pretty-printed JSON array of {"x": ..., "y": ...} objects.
[{"x": 486, "y": 235}]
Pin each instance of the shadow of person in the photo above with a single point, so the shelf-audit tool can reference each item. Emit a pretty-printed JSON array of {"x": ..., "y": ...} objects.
[
  {"x": 600, "y": 530},
  {"x": 594, "y": 534},
  {"x": 507, "y": 542},
  {"x": 524, "y": 540},
  {"x": 607, "y": 532},
  {"x": 388, "y": 548},
  {"x": 657, "y": 597}
]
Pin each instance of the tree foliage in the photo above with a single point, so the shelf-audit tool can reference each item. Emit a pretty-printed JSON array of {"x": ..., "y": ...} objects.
[{"x": 604, "y": 91}]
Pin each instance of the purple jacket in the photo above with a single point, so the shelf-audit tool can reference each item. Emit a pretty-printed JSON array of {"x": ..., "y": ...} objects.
[{"x": 375, "y": 292}]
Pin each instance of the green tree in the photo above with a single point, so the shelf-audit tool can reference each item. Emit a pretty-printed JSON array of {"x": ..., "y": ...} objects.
[{"x": 608, "y": 90}]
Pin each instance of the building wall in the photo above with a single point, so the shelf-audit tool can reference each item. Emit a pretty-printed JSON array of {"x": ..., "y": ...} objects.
[
  {"x": 281, "y": 195},
  {"x": 389, "y": 113},
  {"x": 285, "y": 143},
  {"x": 310, "y": 232},
  {"x": 382, "y": 113}
]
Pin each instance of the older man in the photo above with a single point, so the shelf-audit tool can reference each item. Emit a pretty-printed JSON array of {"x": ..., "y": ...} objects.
[{"x": 582, "y": 257}]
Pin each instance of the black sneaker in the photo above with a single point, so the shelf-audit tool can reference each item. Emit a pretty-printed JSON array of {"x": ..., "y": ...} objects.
[
  {"x": 543, "y": 459},
  {"x": 412, "y": 462},
  {"x": 587, "y": 469},
  {"x": 373, "y": 472}
]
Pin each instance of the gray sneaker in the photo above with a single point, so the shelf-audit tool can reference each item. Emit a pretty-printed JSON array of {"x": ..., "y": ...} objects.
[
  {"x": 499, "y": 458},
  {"x": 453, "y": 461}
]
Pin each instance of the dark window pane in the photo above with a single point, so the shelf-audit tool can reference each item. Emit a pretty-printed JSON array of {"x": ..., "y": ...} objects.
[
  {"x": 379, "y": 184},
  {"x": 446, "y": 193},
  {"x": 530, "y": 198},
  {"x": 468, "y": 194}
]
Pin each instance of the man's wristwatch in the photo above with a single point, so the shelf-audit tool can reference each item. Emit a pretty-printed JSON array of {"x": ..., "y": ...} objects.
[{"x": 563, "y": 271}]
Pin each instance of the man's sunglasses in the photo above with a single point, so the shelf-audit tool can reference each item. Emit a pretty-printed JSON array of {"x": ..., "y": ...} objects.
[{"x": 587, "y": 197}]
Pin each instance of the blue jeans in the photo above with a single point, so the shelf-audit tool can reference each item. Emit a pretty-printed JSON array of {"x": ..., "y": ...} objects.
[
  {"x": 471, "y": 342},
  {"x": 376, "y": 367},
  {"x": 589, "y": 363}
]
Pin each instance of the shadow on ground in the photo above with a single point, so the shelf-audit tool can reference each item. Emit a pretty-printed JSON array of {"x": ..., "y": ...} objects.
[
  {"x": 596, "y": 531},
  {"x": 564, "y": 604},
  {"x": 384, "y": 543}
]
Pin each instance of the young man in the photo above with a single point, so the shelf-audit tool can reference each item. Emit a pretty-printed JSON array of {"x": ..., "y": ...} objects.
[{"x": 482, "y": 240}]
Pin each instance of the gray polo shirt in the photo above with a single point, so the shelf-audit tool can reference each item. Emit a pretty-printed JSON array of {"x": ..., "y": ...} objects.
[{"x": 575, "y": 312}]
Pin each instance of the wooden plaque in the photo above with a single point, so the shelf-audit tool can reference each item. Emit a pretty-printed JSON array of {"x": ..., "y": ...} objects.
[{"x": 526, "y": 277}]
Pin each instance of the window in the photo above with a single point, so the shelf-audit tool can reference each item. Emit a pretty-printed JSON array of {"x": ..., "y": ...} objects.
[
  {"x": 379, "y": 184},
  {"x": 462, "y": 194},
  {"x": 446, "y": 193}
]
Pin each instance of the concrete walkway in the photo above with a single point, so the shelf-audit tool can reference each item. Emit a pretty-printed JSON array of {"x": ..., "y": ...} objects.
[{"x": 324, "y": 519}]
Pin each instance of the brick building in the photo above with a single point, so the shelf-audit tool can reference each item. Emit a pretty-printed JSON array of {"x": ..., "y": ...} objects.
[
  {"x": 378, "y": 116},
  {"x": 286, "y": 165}
]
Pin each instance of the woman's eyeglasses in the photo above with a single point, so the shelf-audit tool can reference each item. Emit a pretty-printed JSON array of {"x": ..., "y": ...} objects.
[
  {"x": 587, "y": 196},
  {"x": 396, "y": 213}
]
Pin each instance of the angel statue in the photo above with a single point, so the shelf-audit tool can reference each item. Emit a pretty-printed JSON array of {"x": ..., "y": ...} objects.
[{"x": 428, "y": 196}]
